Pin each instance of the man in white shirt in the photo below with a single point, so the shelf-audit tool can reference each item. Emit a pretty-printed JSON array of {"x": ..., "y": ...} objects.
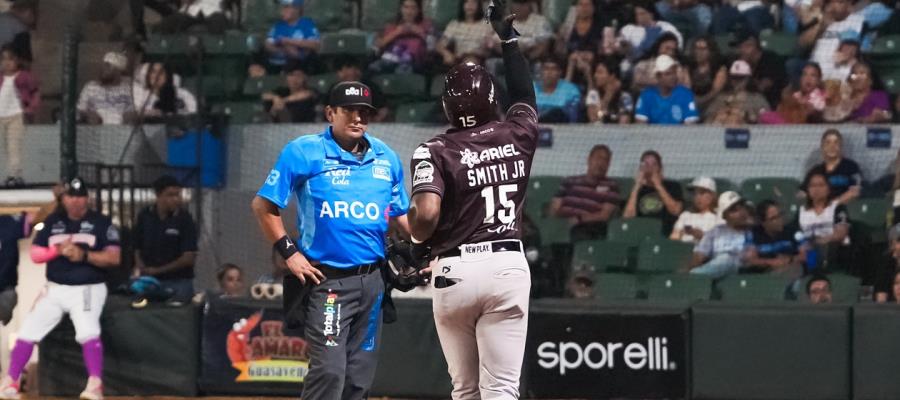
[
  {"x": 825, "y": 36},
  {"x": 536, "y": 34},
  {"x": 108, "y": 100},
  {"x": 721, "y": 251}
]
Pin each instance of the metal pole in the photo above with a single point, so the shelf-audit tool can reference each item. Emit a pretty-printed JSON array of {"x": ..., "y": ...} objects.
[{"x": 68, "y": 161}]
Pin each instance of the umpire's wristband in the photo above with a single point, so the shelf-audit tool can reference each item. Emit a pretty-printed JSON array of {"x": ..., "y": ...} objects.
[{"x": 286, "y": 247}]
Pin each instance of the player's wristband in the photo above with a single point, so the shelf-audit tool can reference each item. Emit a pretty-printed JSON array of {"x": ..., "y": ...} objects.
[{"x": 286, "y": 247}]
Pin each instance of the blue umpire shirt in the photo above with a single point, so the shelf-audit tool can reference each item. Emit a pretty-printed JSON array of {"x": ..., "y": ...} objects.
[{"x": 343, "y": 203}]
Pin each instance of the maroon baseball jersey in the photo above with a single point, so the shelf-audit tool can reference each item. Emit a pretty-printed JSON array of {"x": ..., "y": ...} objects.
[{"x": 481, "y": 175}]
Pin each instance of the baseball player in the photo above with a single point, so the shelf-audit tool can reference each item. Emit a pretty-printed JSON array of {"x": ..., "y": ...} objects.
[
  {"x": 348, "y": 186},
  {"x": 468, "y": 188},
  {"x": 77, "y": 244}
]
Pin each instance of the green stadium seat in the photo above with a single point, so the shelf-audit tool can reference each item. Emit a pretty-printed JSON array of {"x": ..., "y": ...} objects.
[
  {"x": 872, "y": 214},
  {"x": 782, "y": 190},
  {"x": 615, "y": 286},
  {"x": 344, "y": 43},
  {"x": 322, "y": 83},
  {"x": 625, "y": 186},
  {"x": 329, "y": 15},
  {"x": 844, "y": 288},
  {"x": 663, "y": 255},
  {"x": 436, "y": 88},
  {"x": 402, "y": 87},
  {"x": 230, "y": 44},
  {"x": 891, "y": 81},
  {"x": 257, "y": 86},
  {"x": 634, "y": 230},
  {"x": 260, "y": 15},
  {"x": 213, "y": 87},
  {"x": 541, "y": 190},
  {"x": 885, "y": 46},
  {"x": 441, "y": 12},
  {"x": 553, "y": 231},
  {"x": 783, "y": 44},
  {"x": 162, "y": 46},
  {"x": 377, "y": 13},
  {"x": 247, "y": 112},
  {"x": 600, "y": 256},
  {"x": 753, "y": 288},
  {"x": 723, "y": 42},
  {"x": 421, "y": 112},
  {"x": 679, "y": 287},
  {"x": 556, "y": 10}
]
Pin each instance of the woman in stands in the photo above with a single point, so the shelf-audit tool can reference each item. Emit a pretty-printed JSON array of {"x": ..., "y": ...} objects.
[
  {"x": 858, "y": 101},
  {"x": 644, "y": 74},
  {"x": 637, "y": 38},
  {"x": 159, "y": 96},
  {"x": 824, "y": 223},
  {"x": 801, "y": 103},
  {"x": 740, "y": 103},
  {"x": 403, "y": 44},
  {"x": 844, "y": 176},
  {"x": 708, "y": 71},
  {"x": 466, "y": 35},
  {"x": 694, "y": 223},
  {"x": 584, "y": 34},
  {"x": 605, "y": 101}
]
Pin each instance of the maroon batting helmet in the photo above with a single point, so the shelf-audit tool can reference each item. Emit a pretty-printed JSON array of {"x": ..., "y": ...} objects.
[{"x": 469, "y": 99}]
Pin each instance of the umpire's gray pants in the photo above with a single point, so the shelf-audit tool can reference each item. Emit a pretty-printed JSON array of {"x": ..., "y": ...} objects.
[
  {"x": 482, "y": 322},
  {"x": 343, "y": 329}
]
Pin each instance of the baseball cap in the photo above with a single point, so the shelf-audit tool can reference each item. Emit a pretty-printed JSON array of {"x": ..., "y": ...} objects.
[
  {"x": 727, "y": 200},
  {"x": 740, "y": 68},
  {"x": 292, "y": 3},
  {"x": 663, "y": 63},
  {"x": 116, "y": 59},
  {"x": 894, "y": 233},
  {"x": 76, "y": 187},
  {"x": 849, "y": 36},
  {"x": 703, "y": 182},
  {"x": 350, "y": 94}
]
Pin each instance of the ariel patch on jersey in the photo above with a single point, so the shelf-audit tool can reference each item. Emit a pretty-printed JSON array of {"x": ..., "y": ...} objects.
[
  {"x": 332, "y": 313},
  {"x": 424, "y": 173}
]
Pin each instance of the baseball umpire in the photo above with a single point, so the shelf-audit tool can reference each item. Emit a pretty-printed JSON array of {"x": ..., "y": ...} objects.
[
  {"x": 348, "y": 183},
  {"x": 468, "y": 188},
  {"x": 77, "y": 244}
]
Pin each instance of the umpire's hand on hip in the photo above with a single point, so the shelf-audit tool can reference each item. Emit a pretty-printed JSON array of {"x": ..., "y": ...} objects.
[{"x": 300, "y": 266}]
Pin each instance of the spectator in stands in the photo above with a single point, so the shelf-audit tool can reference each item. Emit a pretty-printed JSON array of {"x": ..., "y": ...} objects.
[
  {"x": 707, "y": 71},
  {"x": 722, "y": 251},
  {"x": 774, "y": 247},
  {"x": 800, "y": 104},
  {"x": 588, "y": 201},
  {"x": 294, "y": 102},
  {"x": 164, "y": 8},
  {"x": 638, "y": 37},
  {"x": 19, "y": 101},
  {"x": 605, "y": 101},
  {"x": 209, "y": 14},
  {"x": 847, "y": 55},
  {"x": 578, "y": 70},
  {"x": 558, "y": 100},
  {"x": 668, "y": 102},
  {"x": 294, "y": 39},
  {"x": 403, "y": 44},
  {"x": 165, "y": 239},
  {"x": 769, "y": 75},
  {"x": 843, "y": 174},
  {"x": 231, "y": 281},
  {"x": 14, "y": 228},
  {"x": 467, "y": 34},
  {"x": 15, "y": 25},
  {"x": 693, "y": 224},
  {"x": 581, "y": 285},
  {"x": 644, "y": 73},
  {"x": 107, "y": 101},
  {"x": 692, "y": 13},
  {"x": 753, "y": 15},
  {"x": 740, "y": 104},
  {"x": 654, "y": 196},
  {"x": 824, "y": 37},
  {"x": 824, "y": 222},
  {"x": 159, "y": 96},
  {"x": 818, "y": 289},
  {"x": 536, "y": 33},
  {"x": 349, "y": 70},
  {"x": 583, "y": 34},
  {"x": 857, "y": 101}
]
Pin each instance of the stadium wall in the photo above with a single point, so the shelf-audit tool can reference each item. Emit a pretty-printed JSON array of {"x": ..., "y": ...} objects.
[{"x": 230, "y": 233}]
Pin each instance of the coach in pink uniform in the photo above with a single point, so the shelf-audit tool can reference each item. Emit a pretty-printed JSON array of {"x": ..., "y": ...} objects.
[
  {"x": 468, "y": 189},
  {"x": 77, "y": 244}
]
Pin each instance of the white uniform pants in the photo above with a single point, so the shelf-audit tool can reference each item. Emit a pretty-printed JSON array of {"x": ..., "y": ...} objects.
[
  {"x": 83, "y": 303},
  {"x": 482, "y": 321}
]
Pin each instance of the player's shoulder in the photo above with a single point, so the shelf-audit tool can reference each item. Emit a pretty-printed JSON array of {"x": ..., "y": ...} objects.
[
  {"x": 306, "y": 145},
  {"x": 98, "y": 217}
]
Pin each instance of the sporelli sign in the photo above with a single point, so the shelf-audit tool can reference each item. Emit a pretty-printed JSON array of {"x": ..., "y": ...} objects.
[{"x": 607, "y": 356}]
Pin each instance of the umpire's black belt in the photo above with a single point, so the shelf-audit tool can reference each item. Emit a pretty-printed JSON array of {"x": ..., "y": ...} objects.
[
  {"x": 338, "y": 273},
  {"x": 496, "y": 247}
]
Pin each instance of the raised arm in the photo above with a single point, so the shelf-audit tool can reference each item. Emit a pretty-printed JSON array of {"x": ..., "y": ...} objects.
[{"x": 518, "y": 74}]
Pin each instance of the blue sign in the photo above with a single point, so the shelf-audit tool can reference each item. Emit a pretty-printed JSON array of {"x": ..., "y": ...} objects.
[
  {"x": 737, "y": 138},
  {"x": 545, "y": 137},
  {"x": 878, "y": 138}
]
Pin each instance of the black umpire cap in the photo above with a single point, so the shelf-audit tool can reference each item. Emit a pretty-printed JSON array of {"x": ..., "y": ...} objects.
[
  {"x": 350, "y": 94},
  {"x": 76, "y": 187}
]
